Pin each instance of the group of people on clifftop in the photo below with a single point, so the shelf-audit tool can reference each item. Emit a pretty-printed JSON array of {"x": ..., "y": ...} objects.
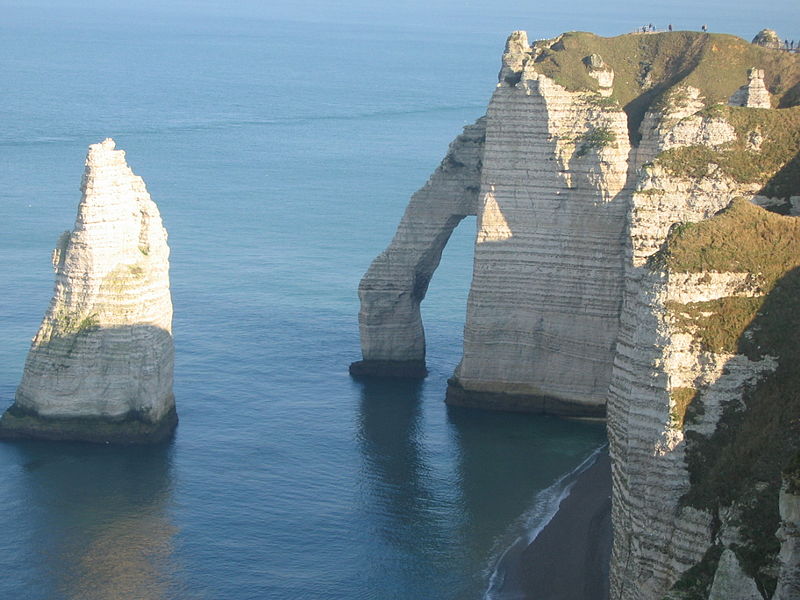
[
  {"x": 787, "y": 45},
  {"x": 653, "y": 29}
]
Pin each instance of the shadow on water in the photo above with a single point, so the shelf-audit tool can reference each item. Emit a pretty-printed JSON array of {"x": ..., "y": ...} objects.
[
  {"x": 506, "y": 461},
  {"x": 390, "y": 439},
  {"x": 100, "y": 518}
]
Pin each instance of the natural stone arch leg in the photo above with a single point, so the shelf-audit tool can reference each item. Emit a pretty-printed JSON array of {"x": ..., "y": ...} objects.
[{"x": 392, "y": 336}]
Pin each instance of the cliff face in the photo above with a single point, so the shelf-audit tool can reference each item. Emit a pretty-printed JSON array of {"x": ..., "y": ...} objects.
[
  {"x": 392, "y": 337},
  {"x": 547, "y": 279},
  {"x": 100, "y": 367},
  {"x": 703, "y": 411},
  {"x": 554, "y": 174},
  {"x": 590, "y": 284}
]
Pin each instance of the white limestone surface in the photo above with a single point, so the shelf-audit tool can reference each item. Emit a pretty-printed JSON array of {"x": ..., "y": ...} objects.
[
  {"x": 656, "y": 538},
  {"x": 731, "y": 582},
  {"x": 754, "y": 94},
  {"x": 548, "y": 272},
  {"x": 104, "y": 348},
  {"x": 397, "y": 280}
]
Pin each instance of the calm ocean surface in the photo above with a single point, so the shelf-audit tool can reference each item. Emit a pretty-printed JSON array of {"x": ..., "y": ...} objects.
[{"x": 281, "y": 154}]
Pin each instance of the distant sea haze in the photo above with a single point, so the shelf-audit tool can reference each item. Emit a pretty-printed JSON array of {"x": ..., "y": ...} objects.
[{"x": 281, "y": 155}]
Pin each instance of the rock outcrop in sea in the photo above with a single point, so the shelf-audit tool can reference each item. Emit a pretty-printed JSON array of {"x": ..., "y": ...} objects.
[
  {"x": 392, "y": 337},
  {"x": 637, "y": 252},
  {"x": 100, "y": 368}
]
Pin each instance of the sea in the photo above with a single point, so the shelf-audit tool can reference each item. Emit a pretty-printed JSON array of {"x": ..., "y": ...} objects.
[{"x": 281, "y": 144}]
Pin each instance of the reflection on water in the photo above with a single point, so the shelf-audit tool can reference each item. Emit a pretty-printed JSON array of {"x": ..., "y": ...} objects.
[
  {"x": 389, "y": 432},
  {"x": 446, "y": 498},
  {"x": 104, "y": 515}
]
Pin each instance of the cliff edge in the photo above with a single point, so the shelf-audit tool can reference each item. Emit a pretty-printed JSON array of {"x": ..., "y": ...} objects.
[{"x": 637, "y": 254}]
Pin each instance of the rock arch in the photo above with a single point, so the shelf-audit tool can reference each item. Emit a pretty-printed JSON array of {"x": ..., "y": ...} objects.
[{"x": 392, "y": 335}]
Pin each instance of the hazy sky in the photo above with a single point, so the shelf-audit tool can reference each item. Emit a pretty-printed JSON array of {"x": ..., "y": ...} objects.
[{"x": 479, "y": 16}]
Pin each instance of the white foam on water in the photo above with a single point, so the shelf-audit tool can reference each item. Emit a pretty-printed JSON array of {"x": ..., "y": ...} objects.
[{"x": 545, "y": 506}]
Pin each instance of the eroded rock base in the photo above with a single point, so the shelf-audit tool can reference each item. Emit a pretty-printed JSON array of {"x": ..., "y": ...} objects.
[
  {"x": 457, "y": 395},
  {"x": 400, "y": 369},
  {"x": 18, "y": 423}
]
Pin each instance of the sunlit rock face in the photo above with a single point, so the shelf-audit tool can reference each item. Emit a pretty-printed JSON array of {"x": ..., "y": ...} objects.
[
  {"x": 564, "y": 179},
  {"x": 598, "y": 154},
  {"x": 656, "y": 536},
  {"x": 547, "y": 281},
  {"x": 101, "y": 365},
  {"x": 768, "y": 38},
  {"x": 754, "y": 94},
  {"x": 392, "y": 337}
]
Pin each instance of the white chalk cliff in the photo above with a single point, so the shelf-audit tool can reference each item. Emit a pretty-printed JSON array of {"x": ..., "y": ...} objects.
[
  {"x": 392, "y": 337},
  {"x": 101, "y": 365},
  {"x": 592, "y": 151},
  {"x": 548, "y": 272}
]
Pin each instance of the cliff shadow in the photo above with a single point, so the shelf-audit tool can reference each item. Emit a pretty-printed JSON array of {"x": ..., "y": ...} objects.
[
  {"x": 97, "y": 519},
  {"x": 533, "y": 451},
  {"x": 722, "y": 441},
  {"x": 86, "y": 382},
  {"x": 756, "y": 437},
  {"x": 785, "y": 184}
]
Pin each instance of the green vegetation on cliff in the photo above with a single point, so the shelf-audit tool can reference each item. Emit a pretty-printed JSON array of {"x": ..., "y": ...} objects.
[
  {"x": 741, "y": 462},
  {"x": 766, "y": 151},
  {"x": 741, "y": 238},
  {"x": 646, "y": 66},
  {"x": 682, "y": 398},
  {"x": 596, "y": 138}
]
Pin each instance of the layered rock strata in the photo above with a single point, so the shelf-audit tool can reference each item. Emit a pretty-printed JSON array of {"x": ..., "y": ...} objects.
[
  {"x": 569, "y": 127},
  {"x": 598, "y": 155},
  {"x": 551, "y": 218},
  {"x": 101, "y": 365},
  {"x": 392, "y": 336},
  {"x": 690, "y": 368},
  {"x": 754, "y": 94},
  {"x": 656, "y": 538}
]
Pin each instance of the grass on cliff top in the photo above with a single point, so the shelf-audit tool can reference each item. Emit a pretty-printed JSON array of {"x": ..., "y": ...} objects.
[
  {"x": 741, "y": 462},
  {"x": 648, "y": 65},
  {"x": 775, "y": 164},
  {"x": 742, "y": 238}
]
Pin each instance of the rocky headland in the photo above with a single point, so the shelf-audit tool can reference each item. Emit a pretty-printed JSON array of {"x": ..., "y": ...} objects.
[
  {"x": 636, "y": 256},
  {"x": 100, "y": 368}
]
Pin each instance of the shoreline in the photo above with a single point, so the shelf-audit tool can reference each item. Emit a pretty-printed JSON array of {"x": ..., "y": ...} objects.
[{"x": 569, "y": 558}]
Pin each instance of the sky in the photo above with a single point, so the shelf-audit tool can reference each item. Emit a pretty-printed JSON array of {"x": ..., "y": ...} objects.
[{"x": 468, "y": 16}]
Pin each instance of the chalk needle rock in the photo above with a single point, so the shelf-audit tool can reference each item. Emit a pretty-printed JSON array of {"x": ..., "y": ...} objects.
[{"x": 100, "y": 368}]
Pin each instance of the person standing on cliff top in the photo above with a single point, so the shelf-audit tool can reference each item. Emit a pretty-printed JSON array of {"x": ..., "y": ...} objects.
[
  {"x": 669, "y": 26},
  {"x": 704, "y": 28}
]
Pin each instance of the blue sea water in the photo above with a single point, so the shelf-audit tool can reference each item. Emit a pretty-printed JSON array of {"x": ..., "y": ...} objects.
[{"x": 281, "y": 146}]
